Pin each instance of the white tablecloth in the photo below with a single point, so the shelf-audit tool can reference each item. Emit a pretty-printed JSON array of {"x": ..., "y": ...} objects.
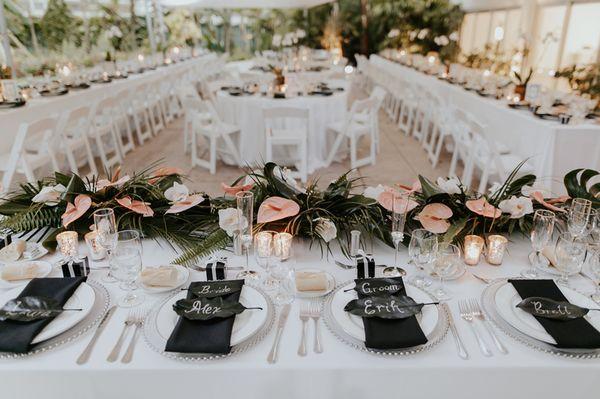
[
  {"x": 553, "y": 149},
  {"x": 339, "y": 372},
  {"x": 246, "y": 112},
  {"x": 41, "y": 107}
]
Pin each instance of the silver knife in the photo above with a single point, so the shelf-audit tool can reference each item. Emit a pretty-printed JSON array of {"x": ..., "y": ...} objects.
[
  {"x": 460, "y": 347},
  {"x": 85, "y": 355},
  {"x": 272, "y": 358}
]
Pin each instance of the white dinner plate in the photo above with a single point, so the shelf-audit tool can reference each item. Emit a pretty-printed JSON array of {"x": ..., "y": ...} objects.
[
  {"x": 353, "y": 325},
  {"x": 44, "y": 269},
  {"x": 83, "y": 298},
  {"x": 507, "y": 299},
  {"x": 245, "y": 324},
  {"x": 317, "y": 294},
  {"x": 183, "y": 273}
]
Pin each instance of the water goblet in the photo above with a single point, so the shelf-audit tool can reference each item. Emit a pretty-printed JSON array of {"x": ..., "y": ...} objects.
[
  {"x": 543, "y": 227},
  {"x": 570, "y": 254},
  {"x": 594, "y": 262},
  {"x": 447, "y": 261},
  {"x": 284, "y": 277},
  {"x": 422, "y": 250},
  {"x": 578, "y": 217},
  {"x": 126, "y": 261},
  {"x": 106, "y": 228},
  {"x": 245, "y": 207}
]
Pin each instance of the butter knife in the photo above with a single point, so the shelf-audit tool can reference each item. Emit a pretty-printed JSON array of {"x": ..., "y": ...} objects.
[
  {"x": 85, "y": 355},
  {"x": 460, "y": 347},
  {"x": 272, "y": 358}
]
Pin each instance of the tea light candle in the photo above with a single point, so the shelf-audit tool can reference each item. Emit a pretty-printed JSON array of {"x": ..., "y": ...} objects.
[
  {"x": 96, "y": 251},
  {"x": 283, "y": 245},
  {"x": 68, "y": 244},
  {"x": 473, "y": 248},
  {"x": 264, "y": 244},
  {"x": 495, "y": 249}
]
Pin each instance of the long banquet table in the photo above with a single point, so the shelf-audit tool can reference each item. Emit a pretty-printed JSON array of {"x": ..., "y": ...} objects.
[
  {"x": 11, "y": 119},
  {"x": 552, "y": 148},
  {"x": 339, "y": 372}
]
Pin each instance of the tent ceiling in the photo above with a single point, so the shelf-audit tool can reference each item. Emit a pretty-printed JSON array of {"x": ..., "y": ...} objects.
[{"x": 244, "y": 3}]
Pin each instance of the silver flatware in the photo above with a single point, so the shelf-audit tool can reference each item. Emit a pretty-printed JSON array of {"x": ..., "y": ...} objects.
[
  {"x": 138, "y": 322},
  {"x": 85, "y": 355},
  {"x": 116, "y": 350},
  {"x": 315, "y": 314},
  {"x": 304, "y": 317},
  {"x": 460, "y": 347},
  {"x": 478, "y": 313},
  {"x": 346, "y": 266},
  {"x": 467, "y": 316},
  {"x": 273, "y": 354}
]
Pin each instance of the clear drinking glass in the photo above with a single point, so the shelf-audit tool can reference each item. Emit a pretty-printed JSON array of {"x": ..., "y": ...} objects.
[
  {"x": 245, "y": 207},
  {"x": 594, "y": 262},
  {"x": 126, "y": 262},
  {"x": 422, "y": 250},
  {"x": 447, "y": 261},
  {"x": 541, "y": 233},
  {"x": 106, "y": 227},
  {"x": 579, "y": 216},
  {"x": 570, "y": 254},
  {"x": 594, "y": 226},
  {"x": 284, "y": 275}
]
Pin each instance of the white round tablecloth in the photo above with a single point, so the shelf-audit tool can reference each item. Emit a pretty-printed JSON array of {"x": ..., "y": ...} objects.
[{"x": 246, "y": 112}]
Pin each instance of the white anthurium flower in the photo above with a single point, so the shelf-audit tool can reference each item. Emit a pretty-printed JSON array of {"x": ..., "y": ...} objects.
[
  {"x": 49, "y": 195},
  {"x": 495, "y": 188},
  {"x": 528, "y": 190},
  {"x": 413, "y": 35},
  {"x": 231, "y": 219},
  {"x": 423, "y": 34},
  {"x": 286, "y": 176},
  {"x": 454, "y": 36},
  {"x": 373, "y": 192},
  {"x": 517, "y": 207},
  {"x": 177, "y": 193},
  {"x": 326, "y": 229},
  {"x": 450, "y": 185}
]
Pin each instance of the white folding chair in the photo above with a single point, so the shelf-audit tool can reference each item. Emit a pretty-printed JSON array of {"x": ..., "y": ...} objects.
[
  {"x": 73, "y": 131},
  {"x": 139, "y": 112},
  {"x": 121, "y": 121},
  {"x": 104, "y": 133},
  {"x": 155, "y": 107},
  {"x": 288, "y": 127}
]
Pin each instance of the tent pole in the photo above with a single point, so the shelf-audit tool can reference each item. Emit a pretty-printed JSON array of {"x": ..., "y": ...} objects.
[
  {"x": 6, "y": 41},
  {"x": 150, "y": 26}
]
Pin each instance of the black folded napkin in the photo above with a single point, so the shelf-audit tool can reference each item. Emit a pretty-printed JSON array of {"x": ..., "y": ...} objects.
[
  {"x": 16, "y": 336},
  {"x": 205, "y": 336},
  {"x": 391, "y": 334},
  {"x": 576, "y": 333}
]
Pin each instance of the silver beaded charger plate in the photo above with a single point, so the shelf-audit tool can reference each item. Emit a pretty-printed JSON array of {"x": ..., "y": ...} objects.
[
  {"x": 100, "y": 307},
  {"x": 161, "y": 321},
  {"x": 435, "y": 332},
  {"x": 488, "y": 300}
]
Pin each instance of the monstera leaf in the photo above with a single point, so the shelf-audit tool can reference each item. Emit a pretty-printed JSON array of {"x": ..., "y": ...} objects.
[
  {"x": 551, "y": 309},
  {"x": 385, "y": 307},
  {"x": 577, "y": 185},
  {"x": 30, "y": 308},
  {"x": 207, "y": 309}
]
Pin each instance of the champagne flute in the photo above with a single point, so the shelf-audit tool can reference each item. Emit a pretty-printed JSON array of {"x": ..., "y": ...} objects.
[
  {"x": 543, "y": 227},
  {"x": 422, "y": 250},
  {"x": 594, "y": 263},
  {"x": 127, "y": 260},
  {"x": 106, "y": 227},
  {"x": 245, "y": 207},
  {"x": 570, "y": 254},
  {"x": 579, "y": 216},
  {"x": 399, "y": 207}
]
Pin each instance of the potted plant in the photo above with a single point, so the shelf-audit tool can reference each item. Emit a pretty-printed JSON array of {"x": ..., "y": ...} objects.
[{"x": 521, "y": 83}]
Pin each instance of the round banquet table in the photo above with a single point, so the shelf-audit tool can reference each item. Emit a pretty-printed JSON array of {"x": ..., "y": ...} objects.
[
  {"x": 339, "y": 372},
  {"x": 245, "y": 111}
]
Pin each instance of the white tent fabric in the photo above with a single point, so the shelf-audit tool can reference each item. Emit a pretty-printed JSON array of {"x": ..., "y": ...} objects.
[{"x": 243, "y": 3}]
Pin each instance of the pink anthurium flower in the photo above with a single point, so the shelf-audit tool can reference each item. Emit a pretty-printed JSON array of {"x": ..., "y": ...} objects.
[
  {"x": 539, "y": 197},
  {"x": 393, "y": 201},
  {"x": 276, "y": 208},
  {"x": 189, "y": 202},
  {"x": 143, "y": 208},
  {"x": 233, "y": 190},
  {"x": 434, "y": 217},
  {"x": 104, "y": 183},
  {"x": 77, "y": 209},
  {"x": 415, "y": 188},
  {"x": 482, "y": 207}
]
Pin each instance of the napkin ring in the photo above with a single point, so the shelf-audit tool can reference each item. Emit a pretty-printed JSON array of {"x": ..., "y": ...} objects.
[
  {"x": 215, "y": 269},
  {"x": 78, "y": 268},
  {"x": 362, "y": 260}
]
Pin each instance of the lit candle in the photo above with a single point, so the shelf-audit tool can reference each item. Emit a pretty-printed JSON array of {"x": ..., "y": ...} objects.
[
  {"x": 264, "y": 244},
  {"x": 283, "y": 245},
  {"x": 473, "y": 248},
  {"x": 96, "y": 251},
  {"x": 68, "y": 244},
  {"x": 495, "y": 249}
]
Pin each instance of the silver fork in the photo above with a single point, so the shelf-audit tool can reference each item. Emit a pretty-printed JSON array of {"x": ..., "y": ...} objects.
[
  {"x": 304, "y": 316},
  {"x": 467, "y": 316},
  {"x": 114, "y": 354},
  {"x": 139, "y": 322},
  {"x": 315, "y": 314},
  {"x": 478, "y": 313}
]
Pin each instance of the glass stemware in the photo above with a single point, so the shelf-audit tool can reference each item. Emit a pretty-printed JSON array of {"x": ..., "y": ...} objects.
[
  {"x": 285, "y": 279},
  {"x": 570, "y": 254},
  {"x": 399, "y": 207},
  {"x": 579, "y": 216},
  {"x": 541, "y": 233},
  {"x": 245, "y": 207},
  {"x": 594, "y": 262},
  {"x": 126, "y": 262},
  {"x": 446, "y": 262},
  {"x": 106, "y": 228},
  {"x": 422, "y": 249}
]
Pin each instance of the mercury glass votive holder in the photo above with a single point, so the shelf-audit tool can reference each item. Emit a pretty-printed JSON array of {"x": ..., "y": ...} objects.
[
  {"x": 473, "y": 249},
  {"x": 68, "y": 244},
  {"x": 263, "y": 242},
  {"x": 495, "y": 249},
  {"x": 282, "y": 243},
  {"x": 95, "y": 250}
]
